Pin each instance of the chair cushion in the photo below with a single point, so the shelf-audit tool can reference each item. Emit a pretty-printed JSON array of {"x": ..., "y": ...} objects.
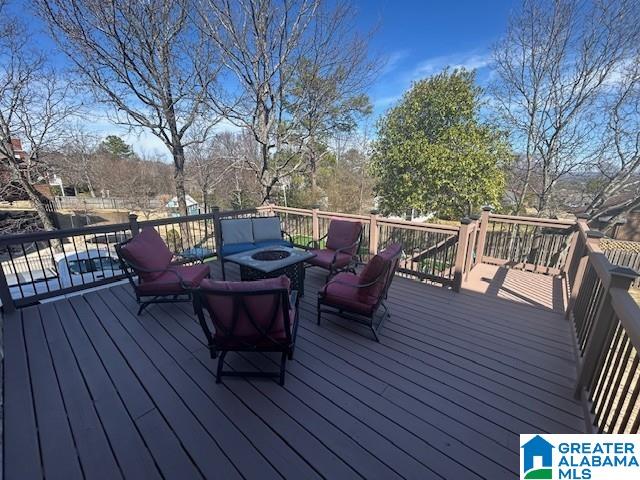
[
  {"x": 148, "y": 250},
  {"x": 236, "y": 230},
  {"x": 273, "y": 243},
  {"x": 372, "y": 271},
  {"x": 343, "y": 233},
  {"x": 261, "y": 309},
  {"x": 266, "y": 228},
  {"x": 230, "y": 249},
  {"x": 341, "y": 292},
  {"x": 324, "y": 258},
  {"x": 168, "y": 283}
]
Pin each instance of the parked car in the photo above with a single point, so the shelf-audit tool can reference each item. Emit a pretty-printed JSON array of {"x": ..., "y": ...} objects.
[{"x": 69, "y": 270}]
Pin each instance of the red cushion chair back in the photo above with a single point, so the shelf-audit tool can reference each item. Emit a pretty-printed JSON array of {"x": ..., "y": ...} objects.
[
  {"x": 343, "y": 233},
  {"x": 148, "y": 251},
  {"x": 248, "y": 312},
  {"x": 380, "y": 269}
]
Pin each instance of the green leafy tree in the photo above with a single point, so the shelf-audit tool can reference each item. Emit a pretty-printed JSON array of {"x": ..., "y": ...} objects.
[
  {"x": 434, "y": 155},
  {"x": 116, "y": 146}
]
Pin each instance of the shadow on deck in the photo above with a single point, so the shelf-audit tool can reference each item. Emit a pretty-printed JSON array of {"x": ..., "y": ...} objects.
[{"x": 92, "y": 390}]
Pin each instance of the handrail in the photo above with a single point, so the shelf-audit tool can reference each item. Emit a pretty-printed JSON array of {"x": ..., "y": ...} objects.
[
  {"x": 532, "y": 220},
  {"x": 606, "y": 319}
]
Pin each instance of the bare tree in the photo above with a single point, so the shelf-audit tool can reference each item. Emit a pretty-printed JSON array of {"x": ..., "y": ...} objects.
[
  {"x": 146, "y": 60},
  {"x": 618, "y": 161},
  {"x": 264, "y": 44},
  {"x": 211, "y": 163},
  {"x": 552, "y": 66},
  {"x": 76, "y": 164},
  {"x": 34, "y": 107}
]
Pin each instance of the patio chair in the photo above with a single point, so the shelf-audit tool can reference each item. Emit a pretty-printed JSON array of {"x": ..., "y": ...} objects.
[
  {"x": 159, "y": 280},
  {"x": 341, "y": 247},
  {"x": 359, "y": 296},
  {"x": 259, "y": 316}
]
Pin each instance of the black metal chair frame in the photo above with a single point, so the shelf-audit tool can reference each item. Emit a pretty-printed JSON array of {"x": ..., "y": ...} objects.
[
  {"x": 285, "y": 348},
  {"x": 221, "y": 256},
  {"x": 145, "y": 300},
  {"x": 355, "y": 257},
  {"x": 367, "y": 320}
]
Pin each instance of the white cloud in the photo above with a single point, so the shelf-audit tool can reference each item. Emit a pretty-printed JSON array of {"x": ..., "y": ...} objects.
[
  {"x": 393, "y": 60},
  {"x": 468, "y": 60}
]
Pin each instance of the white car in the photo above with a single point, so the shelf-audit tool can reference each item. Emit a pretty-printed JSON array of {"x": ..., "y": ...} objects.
[{"x": 70, "y": 269}]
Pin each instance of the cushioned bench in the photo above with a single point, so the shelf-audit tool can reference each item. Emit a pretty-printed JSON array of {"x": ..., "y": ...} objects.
[{"x": 242, "y": 234}]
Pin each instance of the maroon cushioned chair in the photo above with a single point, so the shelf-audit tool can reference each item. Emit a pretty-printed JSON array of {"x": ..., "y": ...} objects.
[
  {"x": 359, "y": 296},
  {"x": 341, "y": 247},
  {"x": 259, "y": 316},
  {"x": 159, "y": 280}
]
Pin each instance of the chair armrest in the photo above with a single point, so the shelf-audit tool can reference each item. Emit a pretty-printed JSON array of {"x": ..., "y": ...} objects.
[
  {"x": 351, "y": 285},
  {"x": 286, "y": 234},
  {"x": 316, "y": 243}
]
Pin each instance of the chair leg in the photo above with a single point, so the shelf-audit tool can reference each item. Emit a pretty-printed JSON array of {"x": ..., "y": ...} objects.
[
  {"x": 224, "y": 277},
  {"x": 143, "y": 305},
  {"x": 219, "y": 369},
  {"x": 283, "y": 364},
  {"x": 319, "y": 313}
]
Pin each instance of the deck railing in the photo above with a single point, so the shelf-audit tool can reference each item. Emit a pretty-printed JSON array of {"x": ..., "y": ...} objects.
[
  {"x": 607, "y": 325},
  {"x": 605, "y": 316},
  {"x": 430, "y": 249},
  {"x": 528, "y": 243}
]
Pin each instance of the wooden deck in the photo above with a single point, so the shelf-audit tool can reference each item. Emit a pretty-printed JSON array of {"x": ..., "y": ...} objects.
[{"x": 91, "y": 390}]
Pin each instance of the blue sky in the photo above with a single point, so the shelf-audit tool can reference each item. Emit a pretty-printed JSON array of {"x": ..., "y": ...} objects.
[
  {"x": 420, "y": 38},
  {"x": 415, "y": 38}
]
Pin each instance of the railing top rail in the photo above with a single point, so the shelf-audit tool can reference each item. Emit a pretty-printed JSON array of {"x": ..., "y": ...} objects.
[
  {"x": 419, "y": 226},
  {"x": 325, "y": 214},
  {"x": 63, "y": 233},
  {"x": 545, "y": 222},
  {"x": 170, "y": 220},
  {"x": 245, "y": 211},
  {"x": 628, "y": 311},
  {"x": 276, "y": 208}
]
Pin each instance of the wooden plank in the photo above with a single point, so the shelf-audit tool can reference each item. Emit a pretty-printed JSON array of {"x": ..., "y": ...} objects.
[
  {"x": 59, "y": 458},
  {"x": 91, "y": 441},
  {"x": 178, "y": 342},
  {"x": 237, "y": 447},
  {"x": 202, "y": 448},
  {"x": 21, "y": 450},
  {"x": 351, "y": 448},
  {"x": 126, "y": 441}
]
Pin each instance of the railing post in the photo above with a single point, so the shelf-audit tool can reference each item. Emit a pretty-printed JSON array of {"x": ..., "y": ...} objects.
[
  {"x": 373, "y": 232},
  {"x": 217, "y": 232},
  {"x": 133, "y": 224},
  {"x": 315, "y": 226},
  {"x": 8, "y": 305},
  {"x": 593, "y": 240},
  {"x": 482, "y": 235},
  {"x": 622, "y": 278},
  {"x": 461, "y": 254}
]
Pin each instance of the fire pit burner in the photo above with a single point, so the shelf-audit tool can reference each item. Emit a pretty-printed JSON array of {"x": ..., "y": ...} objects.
[{"x": 270, "y": 255}]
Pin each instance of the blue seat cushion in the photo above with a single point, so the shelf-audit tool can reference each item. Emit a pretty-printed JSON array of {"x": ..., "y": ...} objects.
[
  {"x": 231, "y": 248},
  {"x": 273, "y": 243}
]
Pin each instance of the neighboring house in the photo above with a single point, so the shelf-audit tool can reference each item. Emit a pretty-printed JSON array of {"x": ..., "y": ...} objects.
[{"x": 192, "y": 206}]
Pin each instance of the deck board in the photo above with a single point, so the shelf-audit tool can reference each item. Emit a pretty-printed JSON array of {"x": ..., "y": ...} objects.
[{"x": 92, "y": 390}]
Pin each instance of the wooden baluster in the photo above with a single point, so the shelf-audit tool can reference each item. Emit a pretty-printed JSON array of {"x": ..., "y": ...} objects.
[
  {"x": 593, "y": 240},
  {"x": 463, "y": 242},
  {"x": 315, "y": 227},
  {"x": 373, "y": 232},
  {"x": 482, "y": 235},
  {"x": 622, "y": 278}
]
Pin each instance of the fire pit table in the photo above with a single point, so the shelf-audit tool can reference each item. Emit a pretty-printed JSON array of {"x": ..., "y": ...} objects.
[{"x": 270, "y": 262}]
